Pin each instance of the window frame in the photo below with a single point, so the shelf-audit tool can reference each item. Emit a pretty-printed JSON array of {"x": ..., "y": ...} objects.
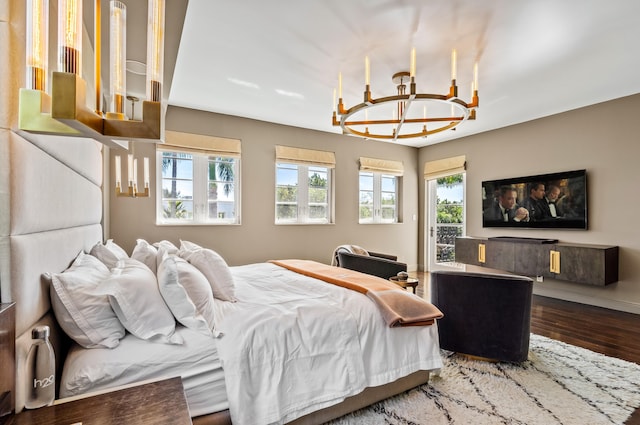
[
  {"x": 200, "y": 187},
  {"x": 378, "y": 217},
  {"x": 304, "y": 172}
]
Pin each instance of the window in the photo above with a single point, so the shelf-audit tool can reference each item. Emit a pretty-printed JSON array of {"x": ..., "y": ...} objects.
[
  {"x": 303, "y": 186},
  {"x": 449, "y": 216},
  {"x": 445, "y": 205},
  {"x": 379, "y": 190},
  {"x": 378, "y": 198},
  {"x": 197, "y": 185}
]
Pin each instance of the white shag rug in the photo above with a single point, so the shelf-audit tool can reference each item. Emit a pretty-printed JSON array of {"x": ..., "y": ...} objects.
[{"x": 558, "y": 384}]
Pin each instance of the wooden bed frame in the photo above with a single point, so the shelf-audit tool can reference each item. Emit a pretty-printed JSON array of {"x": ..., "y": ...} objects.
[{"x": 55, "y": 201}]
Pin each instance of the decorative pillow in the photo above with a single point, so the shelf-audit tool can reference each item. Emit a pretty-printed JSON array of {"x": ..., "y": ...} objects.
[
  {"x": 359, "y": 250},
  {"x": 187, "y": 293},
  {"x": 81, "y": 309},
  {"x": 109, "y": 253},
  {"x": 135, "y": 298},
  {"x": 146, "y": 253},
  {"x": 213, "y": 266}
]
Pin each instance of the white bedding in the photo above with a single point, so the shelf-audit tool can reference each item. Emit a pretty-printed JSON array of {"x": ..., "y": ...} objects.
[
  {"x": 134, "y": 360},
  {"x": 291, "y": 345}
]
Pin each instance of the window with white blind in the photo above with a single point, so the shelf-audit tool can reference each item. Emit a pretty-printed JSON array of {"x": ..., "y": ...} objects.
[
  {"x": 199, "y": 180},
  {"x": 379, "y": 182},
  {"x": 303, "y": 189}
]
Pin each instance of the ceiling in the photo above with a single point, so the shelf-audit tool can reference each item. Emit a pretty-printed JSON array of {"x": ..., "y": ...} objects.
[{"x": 278, "y": 61}]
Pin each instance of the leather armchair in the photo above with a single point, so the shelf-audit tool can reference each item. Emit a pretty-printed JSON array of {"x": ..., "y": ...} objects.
[
  {"x": 377, "y": 264},
  {"x": 485, "y": 315}
]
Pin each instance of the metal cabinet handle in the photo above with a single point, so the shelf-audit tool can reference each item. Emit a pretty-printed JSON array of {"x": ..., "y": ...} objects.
[
  {"x": 481, "y": 253},
  {"x": 554, "y": 261}
]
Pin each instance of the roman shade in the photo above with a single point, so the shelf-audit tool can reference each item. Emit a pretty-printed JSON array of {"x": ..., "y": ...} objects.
[
  {"x": 198, "y": 143},
  {"x": 444, "y": 167},
  {"x": 305, "y": 156},
  {"x": 385, "y": 166}
]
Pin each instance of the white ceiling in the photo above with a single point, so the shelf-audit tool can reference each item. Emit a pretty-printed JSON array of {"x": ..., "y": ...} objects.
[{"x": 279, "y": 60}]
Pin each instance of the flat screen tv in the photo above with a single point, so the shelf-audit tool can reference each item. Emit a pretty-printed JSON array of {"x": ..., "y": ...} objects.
[{"x": 545, "y": 201}]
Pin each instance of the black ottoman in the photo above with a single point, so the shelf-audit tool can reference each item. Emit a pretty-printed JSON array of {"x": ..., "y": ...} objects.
[{"x": 485, "y": 315}]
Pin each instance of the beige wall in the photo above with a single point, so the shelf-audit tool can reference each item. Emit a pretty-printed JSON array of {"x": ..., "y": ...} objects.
[
  {"x": 258, "y": 238},
  {"x": 603, "y": 139}
]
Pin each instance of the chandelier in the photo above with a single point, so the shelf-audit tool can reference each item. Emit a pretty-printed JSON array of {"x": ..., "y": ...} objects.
[
  {"x": 64, "y": 110},
  {"x": 132, "y": 177},
  {"x": 412, "y": 114}
]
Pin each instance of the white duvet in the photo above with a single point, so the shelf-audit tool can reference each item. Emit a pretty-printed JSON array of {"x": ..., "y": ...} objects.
[{"x": 293, "y": 345}]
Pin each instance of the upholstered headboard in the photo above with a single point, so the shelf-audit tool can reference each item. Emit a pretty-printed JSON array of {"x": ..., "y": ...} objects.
[{"x": 51, "y": 209}]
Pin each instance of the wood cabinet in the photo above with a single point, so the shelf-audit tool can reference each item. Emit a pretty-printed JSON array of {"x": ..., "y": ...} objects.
[
  {"x": 468, "y": 251},
  {"x": 7, "y": 359},
  {"x": 157, "y": 403},
  {"x": 500, "y": 255},
  {"x": 581, "y": 263},
  {"x": 592, "y": 264}
]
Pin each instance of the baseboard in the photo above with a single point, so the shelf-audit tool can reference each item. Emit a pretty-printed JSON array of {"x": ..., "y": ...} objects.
[{"x": 618, "y": 305}]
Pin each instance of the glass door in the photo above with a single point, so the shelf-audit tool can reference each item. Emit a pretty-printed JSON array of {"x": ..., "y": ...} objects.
[{"x": 446, "y": 217}]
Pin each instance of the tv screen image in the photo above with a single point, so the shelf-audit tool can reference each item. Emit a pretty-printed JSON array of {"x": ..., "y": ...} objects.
[{"x": 544, "y": 201}]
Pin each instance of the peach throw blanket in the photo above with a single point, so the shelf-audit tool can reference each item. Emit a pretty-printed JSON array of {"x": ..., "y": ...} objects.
[{"x": 398, "y": 307}]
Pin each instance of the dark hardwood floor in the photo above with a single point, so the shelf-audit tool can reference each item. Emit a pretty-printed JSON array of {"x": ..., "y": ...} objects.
[{"x": 610, "y": 332}]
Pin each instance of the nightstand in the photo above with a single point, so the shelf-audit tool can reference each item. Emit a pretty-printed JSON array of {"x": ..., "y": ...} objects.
[
  {"x": 160, "y": 402},
  {"x": 7, "y": 359}
]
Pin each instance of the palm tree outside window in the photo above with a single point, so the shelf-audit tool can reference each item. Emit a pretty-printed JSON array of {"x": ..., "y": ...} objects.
[{"x": 197, "y": 188}]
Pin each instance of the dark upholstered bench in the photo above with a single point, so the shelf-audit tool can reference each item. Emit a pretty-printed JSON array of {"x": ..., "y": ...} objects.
[{"x": 485, "y": 315}]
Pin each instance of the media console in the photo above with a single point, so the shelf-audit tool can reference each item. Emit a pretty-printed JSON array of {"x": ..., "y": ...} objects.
[{"x": 580, "y": 263}]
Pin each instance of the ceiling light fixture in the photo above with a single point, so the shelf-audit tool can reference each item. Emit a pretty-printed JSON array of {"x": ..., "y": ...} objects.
[
  {"x": 413, "y": 114},
  {"x": 64, "y": 111}
]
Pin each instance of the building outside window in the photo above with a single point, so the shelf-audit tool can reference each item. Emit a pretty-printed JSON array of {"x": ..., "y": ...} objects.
[{"x": 304, "y": 184}]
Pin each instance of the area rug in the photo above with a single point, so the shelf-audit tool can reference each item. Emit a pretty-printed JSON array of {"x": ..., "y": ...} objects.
[{"x": 558, "y": 384}]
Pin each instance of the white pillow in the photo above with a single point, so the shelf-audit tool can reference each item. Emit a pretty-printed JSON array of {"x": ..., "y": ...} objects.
[
  {"x": 213, "y": 266},
  {"x": 165, "y": 247},
  {"x": 109, "y": 253},
  {"x": 187, "y": 293},
  {"x": 134, "y": 296},
  {"x": 189, "y": 246},
  {"x": 81, "y": 309},
  {"x": 146, "y": 253}
]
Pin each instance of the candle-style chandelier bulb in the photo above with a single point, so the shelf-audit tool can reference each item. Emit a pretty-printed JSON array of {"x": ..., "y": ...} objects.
[
  {"x": 63, "y": 108},
  {"x": 37, "y": 44},
  {"x": 155, "y": 50},
  {"x": 70, "y": 36},
  {"x": 117, "y": 56}
]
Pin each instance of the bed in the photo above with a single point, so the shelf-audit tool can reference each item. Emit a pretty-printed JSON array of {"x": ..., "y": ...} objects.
[{"x": 271, "y": 345}]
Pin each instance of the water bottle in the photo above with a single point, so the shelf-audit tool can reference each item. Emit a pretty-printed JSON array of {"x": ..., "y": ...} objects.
[{"x": 41, "y": 370}]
